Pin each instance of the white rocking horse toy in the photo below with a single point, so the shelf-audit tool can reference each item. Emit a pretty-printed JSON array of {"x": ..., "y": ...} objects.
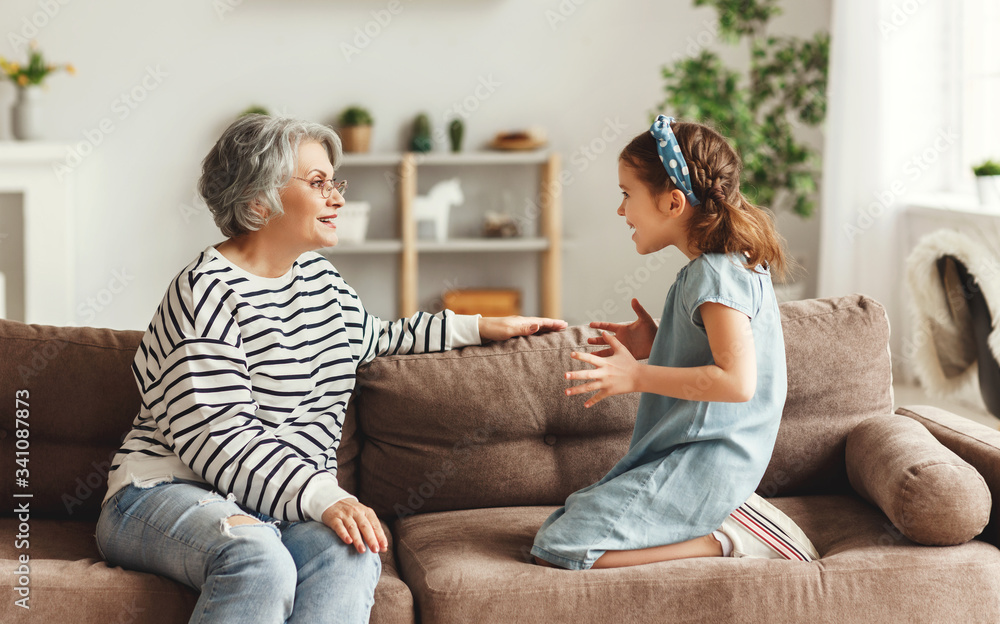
[{"x": 435, "y": 205}]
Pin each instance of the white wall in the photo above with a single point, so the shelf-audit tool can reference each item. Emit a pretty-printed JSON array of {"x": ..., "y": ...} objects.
[{"x": 201, "y": 68}]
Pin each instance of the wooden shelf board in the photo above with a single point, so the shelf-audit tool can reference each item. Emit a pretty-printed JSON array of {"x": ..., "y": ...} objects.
[
  {"x": 484, "y": 157},
  {"x": 373, "y": 159},
  {"x": 479, "y": 157},
  {"x": 482, "y": 245},
  {"x": 370, "y": 246}
]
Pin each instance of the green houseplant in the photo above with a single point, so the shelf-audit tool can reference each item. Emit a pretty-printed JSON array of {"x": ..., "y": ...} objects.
[
  {"x": 355, "y": 129},
  {"x": 420, "y": 136},
  {"x": 785, "y": 88},
  {"x": 456, "y": 129},
  {"x": 988, "y": 182},
  {"x": 254, "y": 109},
  {"x": 986, "y": 168}
]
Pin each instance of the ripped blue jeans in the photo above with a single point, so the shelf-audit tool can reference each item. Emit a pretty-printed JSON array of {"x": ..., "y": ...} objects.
[{"x": 268, "y": 572}]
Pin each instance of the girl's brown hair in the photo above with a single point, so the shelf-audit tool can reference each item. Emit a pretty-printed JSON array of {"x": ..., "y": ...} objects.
[{"x": 725, "y": 221}]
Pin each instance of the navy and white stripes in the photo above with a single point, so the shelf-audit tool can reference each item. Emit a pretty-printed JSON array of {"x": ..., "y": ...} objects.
[{"x": 244, "y": 381}]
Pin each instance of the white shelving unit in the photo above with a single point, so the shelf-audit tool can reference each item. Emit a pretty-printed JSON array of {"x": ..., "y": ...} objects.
[{"x": 547, "y": 242}]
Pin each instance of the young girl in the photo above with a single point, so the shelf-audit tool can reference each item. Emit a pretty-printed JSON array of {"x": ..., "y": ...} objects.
[{"x": 714, "y": 386}]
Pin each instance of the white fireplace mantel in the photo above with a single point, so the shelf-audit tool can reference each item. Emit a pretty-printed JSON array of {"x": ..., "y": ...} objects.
[{"x": 47, "y": 239}]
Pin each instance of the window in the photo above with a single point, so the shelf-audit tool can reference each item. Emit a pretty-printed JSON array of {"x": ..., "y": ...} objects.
[{"x": 977, "y": 82}]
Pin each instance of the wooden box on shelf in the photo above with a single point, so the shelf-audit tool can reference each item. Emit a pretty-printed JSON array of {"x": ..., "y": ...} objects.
[{"x": 488, "y": 302}]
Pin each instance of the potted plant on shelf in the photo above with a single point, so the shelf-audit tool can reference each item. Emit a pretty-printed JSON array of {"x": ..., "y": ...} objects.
[
  {"x": 988, "y": 182},
  {"x": 420, "y": 136},
  {"x": 255, "y": 109},
  {"x": 456, "y": 129},
  {"x": 355, "y": 129},
  {"x": 29, "y": 80}
]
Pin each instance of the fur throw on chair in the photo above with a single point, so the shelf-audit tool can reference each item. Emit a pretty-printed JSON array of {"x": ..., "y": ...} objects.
[{"x": 944, "y": 346}]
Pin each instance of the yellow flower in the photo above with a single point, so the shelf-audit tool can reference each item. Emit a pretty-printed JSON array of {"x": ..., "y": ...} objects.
[
  {"x": 14, "y": 67},
  {"x": 70, "y": 69},
  {"x": 22, "y": 80}
]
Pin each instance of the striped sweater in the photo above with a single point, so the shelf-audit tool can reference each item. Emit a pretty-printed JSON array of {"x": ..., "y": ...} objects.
[{"x": 244, "y": 381}]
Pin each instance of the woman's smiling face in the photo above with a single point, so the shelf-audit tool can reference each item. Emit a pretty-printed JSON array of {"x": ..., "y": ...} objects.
[{"x": 304, "y": 204}]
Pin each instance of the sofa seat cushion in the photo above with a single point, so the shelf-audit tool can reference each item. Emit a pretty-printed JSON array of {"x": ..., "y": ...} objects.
[
  {"x": 70, "y": 582},
  {"x": 475, "y": 565}
]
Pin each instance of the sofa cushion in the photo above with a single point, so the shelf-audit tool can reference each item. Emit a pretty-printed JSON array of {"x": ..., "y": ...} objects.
[
  {"x": 474, "y": 565},
  {"x": 349, "y": 451},
  {"x": 974, "y": 442},
  {"x": 931, "y": 494},
  {"x": 81, "y": 401},
  {"x": 484, "y": 426},
  {"x": 70, "y": 582},
  {"x": 839, "y": 374}
]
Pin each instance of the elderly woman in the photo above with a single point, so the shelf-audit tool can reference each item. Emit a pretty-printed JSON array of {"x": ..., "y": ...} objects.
[{"x": 227, "y": 481}]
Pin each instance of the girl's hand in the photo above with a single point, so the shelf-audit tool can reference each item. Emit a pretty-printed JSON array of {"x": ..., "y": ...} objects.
[
  {"x": 614, "y": 374},
  {"x": 637, "y": 336},
  {"x": 504, "y": 327},
  {"x": 356, "y": 524}
]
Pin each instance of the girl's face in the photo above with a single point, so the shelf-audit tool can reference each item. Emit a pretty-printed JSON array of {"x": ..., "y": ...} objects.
[{"x": 656, "y": 219}]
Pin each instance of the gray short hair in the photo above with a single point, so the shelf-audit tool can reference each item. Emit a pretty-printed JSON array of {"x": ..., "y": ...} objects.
[{"x": 251, "y": 161}]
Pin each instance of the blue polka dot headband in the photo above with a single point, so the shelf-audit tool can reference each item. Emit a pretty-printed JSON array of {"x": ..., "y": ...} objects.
[{"x": 670, "y": 154}]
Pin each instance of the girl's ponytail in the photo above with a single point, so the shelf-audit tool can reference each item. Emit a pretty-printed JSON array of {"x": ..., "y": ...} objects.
[{"x": 725, "y": 221}]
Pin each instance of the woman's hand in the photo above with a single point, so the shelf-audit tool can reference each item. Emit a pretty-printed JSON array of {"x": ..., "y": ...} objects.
[
  {"x": 504, "y": 327},
  {"x": 637, "y": 336},
  {"x": 613, "y": 374},
  {"x": 356, "y": 524}
]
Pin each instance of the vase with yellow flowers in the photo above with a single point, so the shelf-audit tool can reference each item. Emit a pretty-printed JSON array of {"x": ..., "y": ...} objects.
[{"x": 29, "y": 80}]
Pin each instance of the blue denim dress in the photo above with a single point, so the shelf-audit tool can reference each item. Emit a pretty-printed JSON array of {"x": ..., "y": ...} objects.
[{"x": 689, "y": 464}]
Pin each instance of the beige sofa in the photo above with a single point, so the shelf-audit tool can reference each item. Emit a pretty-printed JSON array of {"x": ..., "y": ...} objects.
[{"x": 464, "y": 454}]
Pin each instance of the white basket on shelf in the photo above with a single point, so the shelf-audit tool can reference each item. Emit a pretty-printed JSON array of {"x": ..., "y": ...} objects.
[{"x": 352, "y": 222}]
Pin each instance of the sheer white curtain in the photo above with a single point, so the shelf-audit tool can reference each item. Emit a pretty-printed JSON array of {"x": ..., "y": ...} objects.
[
  {"x": 890, "y": 134},
  {"x": 852, "y": 166}
]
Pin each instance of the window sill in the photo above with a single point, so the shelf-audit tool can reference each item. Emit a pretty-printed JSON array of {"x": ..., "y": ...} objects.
[{"x": 950, "y": 203}]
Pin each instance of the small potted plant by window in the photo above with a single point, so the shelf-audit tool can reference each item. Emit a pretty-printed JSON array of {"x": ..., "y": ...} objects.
[
  {"x": 355, "y": 129},
  {"x": 988, "y": 182}
]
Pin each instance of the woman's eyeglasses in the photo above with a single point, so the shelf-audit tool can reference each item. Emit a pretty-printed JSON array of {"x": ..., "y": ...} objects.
[{"x": 327, "y": 186}]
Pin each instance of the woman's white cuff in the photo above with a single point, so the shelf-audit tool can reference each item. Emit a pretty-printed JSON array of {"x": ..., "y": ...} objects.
[
  {"x": 464, "y": 331},
  {"x": 321, "y": 492}
]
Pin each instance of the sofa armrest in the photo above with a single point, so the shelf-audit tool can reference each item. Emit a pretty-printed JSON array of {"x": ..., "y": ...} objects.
[{"x": 974, "y": 442}]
